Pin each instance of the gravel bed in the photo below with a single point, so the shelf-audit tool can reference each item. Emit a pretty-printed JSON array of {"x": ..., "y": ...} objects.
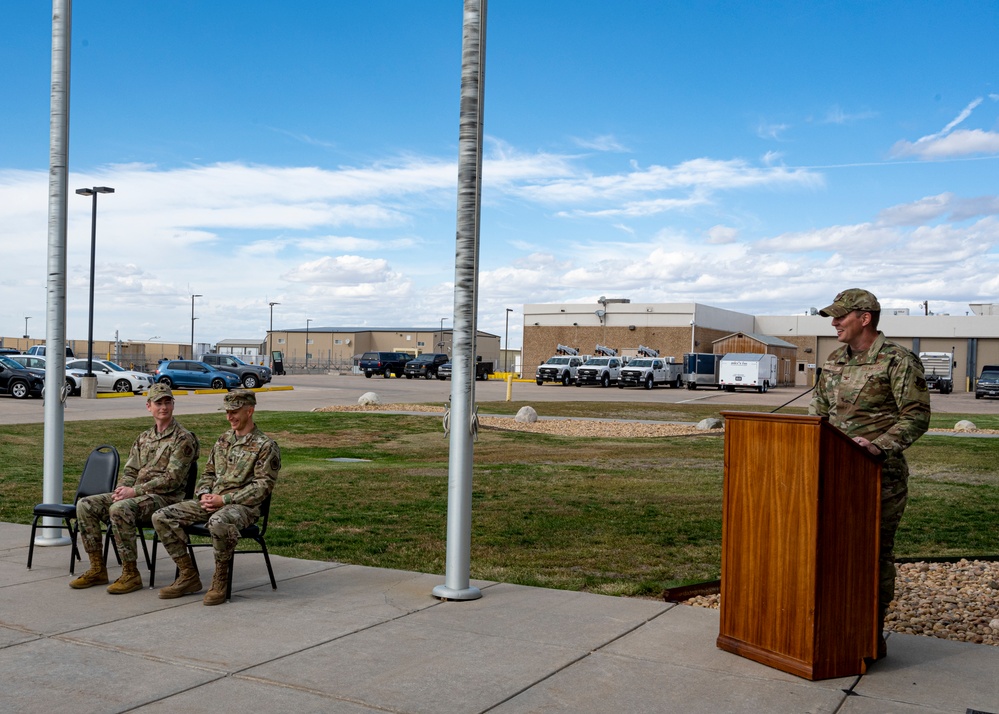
[
  {"x": 555, "y": 427},
  {"x": 952, "y": 601}
]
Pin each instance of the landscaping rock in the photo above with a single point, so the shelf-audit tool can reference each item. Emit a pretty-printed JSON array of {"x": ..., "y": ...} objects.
[
  {"x": 965, "y": 425},
  {"x": 369, "y": 398},
  {"x": 526, "y": 415},
  {"x": 710, "y": 423}
]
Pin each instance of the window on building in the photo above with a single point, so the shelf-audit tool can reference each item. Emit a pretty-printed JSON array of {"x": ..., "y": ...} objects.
[
  {"x": 309, "y": 342},
  {"x": 337, "y": 342},
  {"x": 280, "y": 340}
]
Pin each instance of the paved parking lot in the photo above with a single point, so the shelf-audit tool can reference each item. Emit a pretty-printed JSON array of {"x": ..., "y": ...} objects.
[{"x": 312, "y": 391}]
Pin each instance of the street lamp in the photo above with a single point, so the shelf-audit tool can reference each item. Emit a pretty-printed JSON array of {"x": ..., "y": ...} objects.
[
  {"x": 506, "y": 340},
  {"x": 91, "y": 393},
  {"x": 307, "y": 321},
  {"x": 270, "y": 335},
  {"x": 193, "y": 318},
  {"x": 441, "y": 343},
  {"x": 26, "y": 327}
]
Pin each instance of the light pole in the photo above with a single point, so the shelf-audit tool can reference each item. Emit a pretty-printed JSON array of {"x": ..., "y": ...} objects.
[
  {"x": 193, "y": 318},
  {"x": 26, "y": 327},
  {"x": 270, "y": 336},
  {"x": 441, "y": 343},
  {"x": 89, "y": 388},
  {"x": 506, "y": 340},
  {"x": 307, "y": 321}
]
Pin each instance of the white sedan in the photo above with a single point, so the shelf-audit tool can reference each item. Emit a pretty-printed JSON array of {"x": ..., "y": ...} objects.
[{"x": 110, "y": 376}]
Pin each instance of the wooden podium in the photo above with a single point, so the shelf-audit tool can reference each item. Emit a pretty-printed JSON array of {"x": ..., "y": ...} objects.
[{"x": 800, "y": 534}]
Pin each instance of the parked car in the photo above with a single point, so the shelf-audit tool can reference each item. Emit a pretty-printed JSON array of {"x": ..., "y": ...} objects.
[
  {"x": 18, "y": 381},
  {"x": 34, "y": 362},
  {"x": 482, "y": 370},
  {"x": 384, "y": 363},
  {"x": 425, "y": 365},
  {"x": 189, "y": 373},
  {"x": 40, "y": 351},
  {"x": 250, "y": 375},
  {"x": 111, "y": 377}
]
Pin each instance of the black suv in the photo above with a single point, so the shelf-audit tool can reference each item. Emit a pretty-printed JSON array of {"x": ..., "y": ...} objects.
[
  {"x": 383, "y": 363},
  {"x": 250, "y": 375},
  {"x": 18, "y": 381},
  {"x": 426, "y": 365}
]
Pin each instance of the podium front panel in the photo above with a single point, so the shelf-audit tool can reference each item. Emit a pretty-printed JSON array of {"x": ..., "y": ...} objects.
[{"x": 799, "y": 512}]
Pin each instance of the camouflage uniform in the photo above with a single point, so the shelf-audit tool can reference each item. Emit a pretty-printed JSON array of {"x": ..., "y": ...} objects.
[
  {"x": 157, "y": 468},
  {"x": 879, "y": 394},
  {"x": 242, "y": 469}
]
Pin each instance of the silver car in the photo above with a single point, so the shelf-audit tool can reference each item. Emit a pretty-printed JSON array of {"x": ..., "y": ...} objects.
[{"x": 111, "y": 377}]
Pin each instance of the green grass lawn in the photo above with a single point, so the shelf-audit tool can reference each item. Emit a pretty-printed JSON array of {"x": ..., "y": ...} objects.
[{"x": 614, "y": 516}]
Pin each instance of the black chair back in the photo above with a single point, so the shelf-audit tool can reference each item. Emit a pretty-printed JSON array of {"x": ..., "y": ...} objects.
[{"x": 100, "y": 473}]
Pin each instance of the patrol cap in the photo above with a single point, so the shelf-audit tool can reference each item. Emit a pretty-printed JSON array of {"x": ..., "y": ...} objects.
[
  {"x": 158, "y": 391},
  {"x": 850, "y": 300},
  {"x": 238, "y": 398}
]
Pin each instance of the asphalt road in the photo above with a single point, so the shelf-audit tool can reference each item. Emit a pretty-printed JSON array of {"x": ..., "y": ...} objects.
[{"x": 312, "y": 391}]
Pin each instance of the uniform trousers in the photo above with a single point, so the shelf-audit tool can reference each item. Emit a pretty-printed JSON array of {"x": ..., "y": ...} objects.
[{"x": 223, "y": 524}]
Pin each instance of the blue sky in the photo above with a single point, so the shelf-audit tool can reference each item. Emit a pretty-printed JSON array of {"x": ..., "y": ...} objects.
[{"x": 753, "y": 156}]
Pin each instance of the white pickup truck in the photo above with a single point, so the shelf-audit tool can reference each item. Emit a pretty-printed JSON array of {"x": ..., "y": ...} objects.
[
  {"x": 651, "y": 372},
  {"x": 560, "y": 368},
  {"x": 599, "y": 370}
]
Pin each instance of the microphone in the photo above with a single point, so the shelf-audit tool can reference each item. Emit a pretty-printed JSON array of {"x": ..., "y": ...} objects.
[{"x": 818, "y": 373}]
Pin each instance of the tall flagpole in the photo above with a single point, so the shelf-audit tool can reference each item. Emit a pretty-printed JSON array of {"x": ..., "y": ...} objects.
[
  {"x": 462, "y": 418},
  {"x": 55, "y": 314}
]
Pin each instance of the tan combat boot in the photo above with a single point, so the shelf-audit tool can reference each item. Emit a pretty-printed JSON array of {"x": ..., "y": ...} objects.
[
  {"x": 97, "y": 575},
  {"x": 187, "y": 582},
  {"x": 216, "y": 594},
  {"x": 129, "y": 582}
]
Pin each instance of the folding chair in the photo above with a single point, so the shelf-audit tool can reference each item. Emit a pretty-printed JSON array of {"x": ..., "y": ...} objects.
[
  {"x": 255, "y": 532},
  {"x": 192, "y": 482},
  {"x": 100, "y": 474}
]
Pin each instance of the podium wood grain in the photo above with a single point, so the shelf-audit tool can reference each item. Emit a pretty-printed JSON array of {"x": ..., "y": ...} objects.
[{"x": 800, "y": 529}]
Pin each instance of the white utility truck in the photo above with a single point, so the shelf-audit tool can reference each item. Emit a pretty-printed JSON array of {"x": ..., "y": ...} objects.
[
  {"x": 939, "y": 369},
  {"x": 649, "y": 370}
]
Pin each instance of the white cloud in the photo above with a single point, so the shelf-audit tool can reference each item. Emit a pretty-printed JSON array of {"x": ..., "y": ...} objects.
[
  {"x": 695, "y": 181},
  {"x": 771, "y": 131},
  {"x": 601, "y": 143},
  {"x": 950, "y": 142},
  {"x": 343, "y": 270},
  {"x": 721, "y": 235},
  {"x": 836, "y": 115},
  {"x": 930, "y": 208}
]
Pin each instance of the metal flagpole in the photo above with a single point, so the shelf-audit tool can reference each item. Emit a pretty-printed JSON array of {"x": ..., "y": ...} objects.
[
  {"x": 462, "y": 419},
  {"x": 55, "y": 316}
]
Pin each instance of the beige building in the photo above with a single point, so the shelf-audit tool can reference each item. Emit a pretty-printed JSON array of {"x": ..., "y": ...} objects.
[
  {"x": 139, "y": 355},
  {"x": 677, "y": 328},
  {"x": 335, "y": 348}
]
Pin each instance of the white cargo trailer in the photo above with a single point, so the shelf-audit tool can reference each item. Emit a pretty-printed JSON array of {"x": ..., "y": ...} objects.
[{"x": 747, "y": 370}]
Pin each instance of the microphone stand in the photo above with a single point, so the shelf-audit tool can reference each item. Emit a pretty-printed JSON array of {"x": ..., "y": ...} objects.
[{"x": 818, "y": 373}]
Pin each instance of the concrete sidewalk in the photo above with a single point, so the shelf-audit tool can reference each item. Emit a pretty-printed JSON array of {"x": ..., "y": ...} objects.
[{"x": 354, "y": 640}]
